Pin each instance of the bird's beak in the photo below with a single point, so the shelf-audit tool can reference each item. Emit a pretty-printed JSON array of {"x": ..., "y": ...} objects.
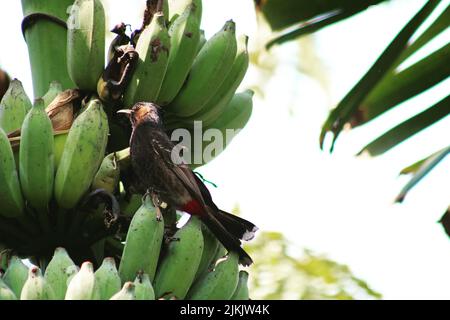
[{"x": 128, "y": 112}]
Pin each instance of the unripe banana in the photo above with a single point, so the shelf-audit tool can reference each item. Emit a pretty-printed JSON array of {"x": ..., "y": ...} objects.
[
  {"x": 177, "y": 7},
  {"x": 220, "y": 283},
  {"x": 5, "y": 292},
  {"x": 82, "y": 155},
  {"x": 11, "y": 200},
  {"x": 82, "y": 286},
  {"x": 220, "y": 253},
  {"x": 86, "y": 43},
  {"x": 13, "y": 107},
  {"x": 70, "y": 273},
  {"x": 201, "y": 41},
  {"x": 36, "y": 158},
  {"x": 16, "y": 275},
  {"x": 241, "y": 292},
  {"x": 231, "y": 121},
  {"x": 153, "y": 49},
  {"x": 36, "y": 287},
  {"x": 56, "y": 272},
  {"x": 177, "y": 270},
  {"x": 212, "y": 110},
  {"x": 129, "y": 207},
  {"x": 127, "y": 292},
  {"x": 184, "y": 40},
  {"x": 108, "y": 175},
  {"x": 107, "y": 279},
  {"x": 143, "y": 243},
  {"x": 211, "y": 245},
  {"x": 143, "y": 287},
  {"x": 53, "y": 91},
  {"x": 236, "y": 114},
  {"x": 59, "y": 144},
  {"x": 208, "y": 72}
]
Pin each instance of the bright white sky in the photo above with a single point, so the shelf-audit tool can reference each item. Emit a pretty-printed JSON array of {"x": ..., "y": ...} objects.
[{"x": 339, "y": 205}]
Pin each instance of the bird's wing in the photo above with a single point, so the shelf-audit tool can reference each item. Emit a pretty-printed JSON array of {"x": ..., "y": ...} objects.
[{"x": 163, "y": 147}]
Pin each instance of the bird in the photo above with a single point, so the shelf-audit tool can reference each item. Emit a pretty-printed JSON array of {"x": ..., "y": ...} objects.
[{"x": 171, "y": 183}]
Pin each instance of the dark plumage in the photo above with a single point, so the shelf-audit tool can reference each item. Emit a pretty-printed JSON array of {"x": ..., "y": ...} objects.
[{"x": 163, "y": 174}]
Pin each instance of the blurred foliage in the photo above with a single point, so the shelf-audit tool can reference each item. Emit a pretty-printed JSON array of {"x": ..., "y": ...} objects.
[
  {"x": 307, "y": 15},
  {"x": 394, "y": 78},
  {"x": 283, "y": 271}
]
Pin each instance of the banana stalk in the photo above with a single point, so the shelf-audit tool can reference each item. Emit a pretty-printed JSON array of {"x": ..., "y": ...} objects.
[{"x": 45, "y": 33}]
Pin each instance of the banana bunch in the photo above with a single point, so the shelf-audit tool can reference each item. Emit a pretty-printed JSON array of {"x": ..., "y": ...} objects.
[
  {"x": 86, "y": 43},
  {"x": 169, "y": 62},
  {"x": 50, "y": 154},
  {"x": 65, "y": 176},
  {"x": 190, "y": 265}
]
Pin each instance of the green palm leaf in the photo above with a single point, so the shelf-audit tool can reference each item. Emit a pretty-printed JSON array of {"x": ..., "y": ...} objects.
[{"x": 351, "y": 102}]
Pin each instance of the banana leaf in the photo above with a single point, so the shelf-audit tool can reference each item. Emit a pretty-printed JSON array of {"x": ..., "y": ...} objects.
[
  {"x": 425, "y": 168},
  {"x": 408, "y": 128},
  {"x": 445, "y": 221},
  {"x": 350, "y": 103},
  {"x": 441, "y": 23},
  {"x": 281, "y": 14},
  {"x": 324, "y": 19},
  {"x": 395, "y": 89},
  {"x": 413, "y": 168}
]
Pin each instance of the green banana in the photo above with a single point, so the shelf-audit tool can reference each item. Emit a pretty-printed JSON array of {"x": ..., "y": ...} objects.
[
  {"x": 70, "y": 273},
  {"x": 14, "y": 107},
  {"x": 11, "y": 199},
  {"x": 107, "y": 279},
  {"x": 36, "y": 158},
  {"x": 83, "y": 286},
  {"x": 5, "y": 292},
  {"x": 129, "y": 207},
  {"x": 143, "y": 287},
  {"x": 153, "y": 48},
  {"x": 177, "y": 270},
  {"x": 16, "y": 275},
  {"x": 212, "y": 110},
  {"x": 59, "y": 144},
  {"x": 82, "y": 155},
  {"x": 201, "y": 41},
  {"x": 143, "y": 243},
  {"x": 127, "y": 292},
  {"x": 236, "y": 114},
  {"x": 208, "y": 72},
  {"x": 53, "y": 91},
  {"x": 231, "y": 121},
  {"x": 36, "y": 287},
  {"x": 108, "y": 175},
  {"x": 86, "y": 43},
  {"x": 220, "y": 283},
  {"x": 184, "y": 39},
  {"x": 220, "y": 253},
  {"x": 56, "y": 272},
  {"x": 177, "y": 7},
  {"x": 211, "y": 245},
  {"x": 241, "y": 292}
]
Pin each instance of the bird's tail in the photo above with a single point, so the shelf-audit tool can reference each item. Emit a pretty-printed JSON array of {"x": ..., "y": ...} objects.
[
  {"x": 238, "y": 227},
  {"x": 229, "y": 230}
]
